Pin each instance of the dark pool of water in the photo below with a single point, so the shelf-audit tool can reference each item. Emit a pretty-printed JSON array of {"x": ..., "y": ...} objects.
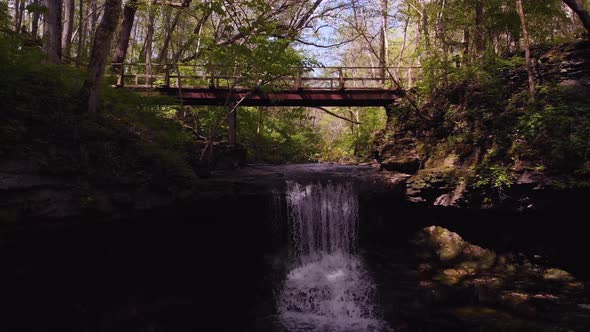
[{"x": 215, "y": 266}]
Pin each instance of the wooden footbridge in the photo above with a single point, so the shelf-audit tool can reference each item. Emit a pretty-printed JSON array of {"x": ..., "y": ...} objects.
[{"x": 303, "y": 86}]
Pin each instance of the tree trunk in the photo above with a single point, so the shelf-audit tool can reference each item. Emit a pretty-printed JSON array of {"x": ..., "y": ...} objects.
[
  {"x": 424, "y": 25},
  {"x": 149, "y": 42},
  {"x": 163, "y": 55},
  {"x": 35, "y": 21},
  {"x": 21, "y": 15},
  {"x": 479, "y": 41},
  {"x": 99, "y": 53},
  {"x": 126, "y": 27},
  {"x": 15, "y": 18},
  {"x": 527, "y": 50},
  {"x": 19, "y": 10},
  {"x": 466, "y": 41},
  {"x": 383, "y": 52},
  {"x": 81, "y": 34},
  {"x": 66, "y": 35},
  {"x": 441, "y": 28},
  {"x": 232, "y": 122},
  {"x": 259, "y": 134},
  {"x": 52, "y": 30},
  {"x": 579, "y": 9},
  {"x": 93, "y": 19},
  {"x": 404, "y": 43}
]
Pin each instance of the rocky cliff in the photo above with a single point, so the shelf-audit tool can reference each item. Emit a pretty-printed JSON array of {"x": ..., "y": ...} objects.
[{"x": 476, "y": 142}]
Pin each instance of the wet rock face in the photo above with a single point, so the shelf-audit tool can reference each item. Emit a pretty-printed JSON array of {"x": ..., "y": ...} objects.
[
  {"x": 42, "y": 198},
  {"x": 407, "y": 165},
  {"x": 568, "y": 65},
  {"x": 27, "y": 197},
  {"x": 400, "y": 156},
  {"x": 437, "y": 186}
]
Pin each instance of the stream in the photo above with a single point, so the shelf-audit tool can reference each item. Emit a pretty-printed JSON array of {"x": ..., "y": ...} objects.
[{"x": 298, "y": 248}]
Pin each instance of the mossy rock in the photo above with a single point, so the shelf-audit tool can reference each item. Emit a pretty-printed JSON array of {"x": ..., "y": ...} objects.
[
  {"x": 484, "y": 258},
  {"x": 452, "y": 277},
  {"x": 558, "y": 275},
  {"x": 447, "y": 245}
]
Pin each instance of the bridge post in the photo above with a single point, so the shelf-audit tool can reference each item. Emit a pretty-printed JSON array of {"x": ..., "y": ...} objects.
[
  {"x": 166, "y": 76},
  {"x": 341, "y": 78},
  {"x": 232, "y": 122},
  {"x": 212, "y": 79},
  {"x": 298, "y": 82},
  {"x": 148, "y": 73},
  {"x": 121, "y": 78}
]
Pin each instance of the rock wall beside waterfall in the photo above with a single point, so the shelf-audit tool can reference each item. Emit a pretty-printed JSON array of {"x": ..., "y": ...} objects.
[{"x": 478, "y": 145}]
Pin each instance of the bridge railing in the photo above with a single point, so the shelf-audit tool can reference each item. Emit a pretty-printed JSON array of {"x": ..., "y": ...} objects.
[{"x": 141, "y": 75}]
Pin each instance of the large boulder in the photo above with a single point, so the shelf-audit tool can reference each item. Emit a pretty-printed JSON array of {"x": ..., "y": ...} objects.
[{"x": 468, "y": 280}]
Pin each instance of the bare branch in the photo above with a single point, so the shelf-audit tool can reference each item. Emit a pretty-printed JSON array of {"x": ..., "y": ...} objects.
[
  {"x": 336, "y": 115},
  {"x": 344, "y": 42}
]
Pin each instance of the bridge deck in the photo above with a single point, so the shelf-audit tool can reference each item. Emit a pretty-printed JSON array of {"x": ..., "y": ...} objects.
[
  {"x": 299, "y": 97},
  {"x": 304, "y": 86}
]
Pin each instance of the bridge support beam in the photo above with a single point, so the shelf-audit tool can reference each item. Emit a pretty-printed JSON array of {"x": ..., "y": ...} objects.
[{"x": 232, "y": 123}]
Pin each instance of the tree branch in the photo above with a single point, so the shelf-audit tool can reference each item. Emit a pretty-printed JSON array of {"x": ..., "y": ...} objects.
[
  {"x": 344, "y": 42},
  {"x": 336, "y": 115}
]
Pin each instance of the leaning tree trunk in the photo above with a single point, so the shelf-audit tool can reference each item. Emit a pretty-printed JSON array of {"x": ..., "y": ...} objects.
[
  {"x": 424, "y": 25},
  {"x": 163, "y": 55},
  {"x": 527, "y": 50},
  {"x": 126, "y": 27},
  {"x": 66, "y": 35},
  {"x": 149, "y": 42},
  {"x": 478, "y": 38},
  {"x": 99, "y": 53},
  {"x": 16, "y": 26},
  {"x": 579, "y": 9},
  {"x": 19, "y": 10},
  {"x": 35, "y": 21},
  {"x": 93, "y": 19},
  {"x": 52, "y": 30},
  {"x": 81, "y": 34}
]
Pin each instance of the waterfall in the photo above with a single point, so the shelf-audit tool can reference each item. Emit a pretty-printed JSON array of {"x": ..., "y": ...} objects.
[
  {"x": 329, "y": 288},
  {"x": 323, "y": 218}
]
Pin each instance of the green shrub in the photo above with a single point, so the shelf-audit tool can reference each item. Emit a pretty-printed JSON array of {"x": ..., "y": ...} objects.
[{"x": 130, "y": 141}]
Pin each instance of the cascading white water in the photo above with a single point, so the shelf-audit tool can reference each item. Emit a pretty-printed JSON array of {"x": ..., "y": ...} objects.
[
  {"x": 323, "y": 218},
  {"x": 329, "y": 288}
]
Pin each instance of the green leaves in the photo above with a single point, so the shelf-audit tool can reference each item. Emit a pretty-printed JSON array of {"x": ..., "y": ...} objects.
[
  {"x": 560, "y": 133},
  {"x": 262, "y": 60},
  {"x": 4, "y": 16},
  {"x": 495, "y": 176},
  {"x": 286, "y": 135},
  {"x": 36, "y": 8}
]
